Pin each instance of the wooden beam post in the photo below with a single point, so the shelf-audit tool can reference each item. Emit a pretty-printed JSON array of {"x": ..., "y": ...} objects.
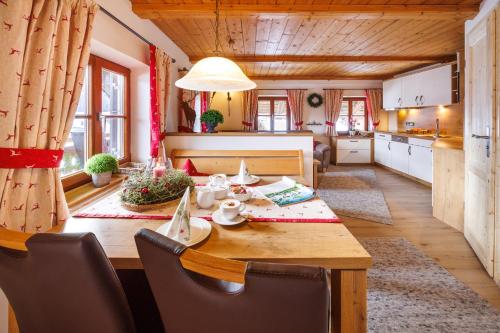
[
  {"x": 333, "y": 58},
  {"x": 178, "y": 10}
]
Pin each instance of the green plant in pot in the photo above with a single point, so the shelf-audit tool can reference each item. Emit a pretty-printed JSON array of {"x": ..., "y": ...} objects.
[
  {"x": 211, "y": 118},
  {"x": 101, "y": 166}
]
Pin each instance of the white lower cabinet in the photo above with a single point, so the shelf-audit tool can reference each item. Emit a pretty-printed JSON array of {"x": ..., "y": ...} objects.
[
  {"x": 354, "y": 150},
  {"x": 420, "y": 162},
  {"x": 413, "y": 158},
  {"x": 399, "y": 156},
  {"x": 383, "y": 152}
]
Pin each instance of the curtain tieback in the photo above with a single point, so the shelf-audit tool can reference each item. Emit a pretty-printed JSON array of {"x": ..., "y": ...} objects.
[
  {"x": 299, "y": 123},
  {"x": 246, "y": 123},
  {"x": 27, "y": 158},
  {"x": 330, "y": 123},
  {"x": 376, "y": 123}
]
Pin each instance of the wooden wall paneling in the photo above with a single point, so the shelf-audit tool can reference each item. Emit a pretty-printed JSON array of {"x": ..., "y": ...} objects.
[
  {"x": 249, "y": 34},
  {"x": 315, "y": 34}
]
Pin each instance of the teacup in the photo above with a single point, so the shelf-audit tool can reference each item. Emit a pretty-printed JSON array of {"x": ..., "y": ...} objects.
[
  {"x": 205, "y": 197},
  {"x": 217, "y": 180},
  {"x": 231, "y": 208},
  {"x": 220, "y": 192}
]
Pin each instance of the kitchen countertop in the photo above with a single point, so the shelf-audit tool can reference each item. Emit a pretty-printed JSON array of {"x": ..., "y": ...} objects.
[
  {"x": 451, "y": 142},
  {"x": 353, "y": 137},
  {"x": 455, "y": 142}
]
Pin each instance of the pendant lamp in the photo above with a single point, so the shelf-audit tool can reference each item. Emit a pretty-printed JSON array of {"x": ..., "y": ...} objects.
[{"x": 216, "y": 73}]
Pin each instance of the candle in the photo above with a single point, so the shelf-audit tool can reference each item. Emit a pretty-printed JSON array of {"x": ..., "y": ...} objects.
[{"x": 159, "y": 169}]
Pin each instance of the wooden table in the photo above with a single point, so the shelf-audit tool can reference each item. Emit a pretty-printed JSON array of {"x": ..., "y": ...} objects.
[{"x": 329, "y": 245}]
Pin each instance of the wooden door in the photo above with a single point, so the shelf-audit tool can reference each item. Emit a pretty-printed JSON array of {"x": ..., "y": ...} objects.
[{"x": 479, "y": 214}]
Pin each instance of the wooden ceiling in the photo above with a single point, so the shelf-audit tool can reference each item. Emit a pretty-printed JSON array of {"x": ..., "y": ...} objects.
[{"x": 317, "y": 39}]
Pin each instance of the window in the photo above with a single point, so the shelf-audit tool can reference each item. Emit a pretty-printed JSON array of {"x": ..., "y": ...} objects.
[
  {"x": 273, "y": 114},
  {"x": 354, "y": 109},
  {"x": 101, "y": 123}
]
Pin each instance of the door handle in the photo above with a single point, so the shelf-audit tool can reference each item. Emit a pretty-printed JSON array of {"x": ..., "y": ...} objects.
[
  {"x": 416, "y": 99},
  {"x": 409, "y": 150},
  {"x": 389, "y": 145},
  {"x": 485, "y": 137},
  {"x": 421, "y": 100}
]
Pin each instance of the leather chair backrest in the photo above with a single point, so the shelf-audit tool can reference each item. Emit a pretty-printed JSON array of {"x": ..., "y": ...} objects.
[
  {"x": 64, "y": 283},
  {"x": 275, "y": 298}
]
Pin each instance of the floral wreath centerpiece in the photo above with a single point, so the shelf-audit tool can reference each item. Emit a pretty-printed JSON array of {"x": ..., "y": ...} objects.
[{"x": 142, "y": 191}]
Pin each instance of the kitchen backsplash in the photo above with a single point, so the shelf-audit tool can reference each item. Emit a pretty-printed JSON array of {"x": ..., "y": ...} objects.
[{"x": 451, "y": 119}]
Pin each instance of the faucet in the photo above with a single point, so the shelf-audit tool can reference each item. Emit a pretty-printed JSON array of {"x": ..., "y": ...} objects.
[{"x": 437, "y": 129}]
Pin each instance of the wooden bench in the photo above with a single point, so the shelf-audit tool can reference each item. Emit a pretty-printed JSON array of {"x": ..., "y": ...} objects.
[{"x": 259, "y": 162}]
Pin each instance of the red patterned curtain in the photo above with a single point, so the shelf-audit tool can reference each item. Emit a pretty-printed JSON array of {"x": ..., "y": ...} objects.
[
  {"x": 159, "y": 70},
  {"x": 204, "y": 103},
  {"x": 374, "y": 105},
  {"x": 333, "y": 104},
  {"x": 296, "y": 103},
  {"x": 47, "y": 46},
  {"x": 250, "y": 107}
]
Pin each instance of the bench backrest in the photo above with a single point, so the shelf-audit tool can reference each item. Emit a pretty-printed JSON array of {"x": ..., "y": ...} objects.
[{"x": 259, "y": 162}]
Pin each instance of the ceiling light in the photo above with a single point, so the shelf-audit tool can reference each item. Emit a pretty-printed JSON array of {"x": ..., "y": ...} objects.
[{"x": 216, "y": 73}]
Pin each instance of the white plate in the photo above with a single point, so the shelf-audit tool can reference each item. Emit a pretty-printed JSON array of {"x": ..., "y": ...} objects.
[
  {"x": 219, "y": 218},
  {"x": 255, "y": 179},
  {"x": 200, "y": 229}
]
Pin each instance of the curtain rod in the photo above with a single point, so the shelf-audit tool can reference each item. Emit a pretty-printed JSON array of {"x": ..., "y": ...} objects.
[{"x": 120, "y": 22}]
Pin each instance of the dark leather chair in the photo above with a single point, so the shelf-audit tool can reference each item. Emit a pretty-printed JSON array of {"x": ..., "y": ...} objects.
[
  {"x": 64, "y": 283},
  {"x": 273, "y": 298}
]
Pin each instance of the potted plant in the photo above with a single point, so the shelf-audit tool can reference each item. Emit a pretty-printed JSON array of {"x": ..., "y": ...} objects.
[
  {"x": 101, "y": 166},
  {"x": 211, "y": 118}
]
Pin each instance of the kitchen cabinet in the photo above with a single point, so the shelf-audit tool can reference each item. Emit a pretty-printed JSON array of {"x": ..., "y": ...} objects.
[
  {"x": 400, "y": 156},
  {"x": 428, "y": 88},
  {"x": 353, "y": 150},
  {"x": 383, "y": 149},
  {"x": 420, "y": 159},
  {"x": 392, "y": 93}
]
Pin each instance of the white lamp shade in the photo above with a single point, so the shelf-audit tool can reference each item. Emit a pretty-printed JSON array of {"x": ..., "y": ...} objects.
[{"x": 215, "y": 74}]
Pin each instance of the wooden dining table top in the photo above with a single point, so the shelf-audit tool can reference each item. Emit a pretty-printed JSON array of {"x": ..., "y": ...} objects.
[{"x": 329, "y": 245}]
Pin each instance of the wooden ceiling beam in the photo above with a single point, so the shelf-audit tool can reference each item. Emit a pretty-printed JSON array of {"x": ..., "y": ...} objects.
[
  {"x": 333, "y": 58},
  {"x": 317, "y": 77},
  {"x": 176, "y": 11}
]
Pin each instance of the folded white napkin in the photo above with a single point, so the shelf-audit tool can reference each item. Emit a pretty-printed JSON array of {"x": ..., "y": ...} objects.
[
  {"x": 243, "y": 175},
  {"x": 180, "y": 228}
]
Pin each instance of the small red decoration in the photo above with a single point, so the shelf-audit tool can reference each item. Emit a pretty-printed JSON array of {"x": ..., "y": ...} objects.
[{"x": 145, "y": 190}]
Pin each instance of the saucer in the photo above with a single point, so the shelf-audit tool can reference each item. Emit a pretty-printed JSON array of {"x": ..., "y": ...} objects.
[
  {"x": 219, "y": 218},
  {"x": 252, "y": 180}
]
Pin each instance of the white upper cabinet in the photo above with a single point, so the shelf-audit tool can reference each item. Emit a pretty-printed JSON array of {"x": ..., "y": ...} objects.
[
  {"x": 428, "y": 88},
  {"x": 393, "y": 94}
]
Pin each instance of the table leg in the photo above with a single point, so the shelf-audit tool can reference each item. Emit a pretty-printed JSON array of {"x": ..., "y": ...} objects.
[{"x": 348, "y": 301}]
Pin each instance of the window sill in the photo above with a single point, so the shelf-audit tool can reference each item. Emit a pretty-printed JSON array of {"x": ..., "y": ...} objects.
[{"x": 87, "y": 193}]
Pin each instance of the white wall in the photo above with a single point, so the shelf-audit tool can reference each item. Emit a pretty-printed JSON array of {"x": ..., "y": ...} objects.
[
  {"x": 353, "y": 88},
  {"x": 113, "y": 42}
]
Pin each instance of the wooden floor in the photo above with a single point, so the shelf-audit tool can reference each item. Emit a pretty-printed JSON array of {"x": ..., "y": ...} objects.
[{"x": 411, "y": 210}]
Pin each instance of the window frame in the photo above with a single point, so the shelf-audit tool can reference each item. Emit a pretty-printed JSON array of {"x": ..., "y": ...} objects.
[
  {"x": 94, "y": 133},
  {"x": 350, "y": 101},
  {"x": 271, "y": 99}
]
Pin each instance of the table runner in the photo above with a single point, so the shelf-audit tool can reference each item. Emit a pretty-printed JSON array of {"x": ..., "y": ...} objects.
[{"x": 258, "y": 209}]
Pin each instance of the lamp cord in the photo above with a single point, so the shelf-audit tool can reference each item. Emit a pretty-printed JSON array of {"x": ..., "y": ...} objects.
[{"x": 217, "y": 40}]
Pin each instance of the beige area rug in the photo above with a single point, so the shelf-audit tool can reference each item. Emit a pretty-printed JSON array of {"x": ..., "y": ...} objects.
[
  {"x": 409, "y": 292},
  {"x": 354, "y": 192}
]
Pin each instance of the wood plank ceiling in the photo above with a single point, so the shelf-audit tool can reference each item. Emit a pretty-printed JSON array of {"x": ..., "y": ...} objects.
[{"x": 317, "y": 39}]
